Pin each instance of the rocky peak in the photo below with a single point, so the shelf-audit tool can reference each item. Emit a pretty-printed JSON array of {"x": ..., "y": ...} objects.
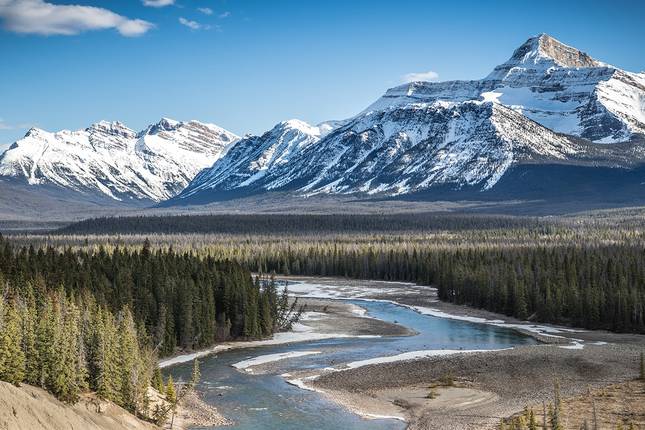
[
  {"x": 564, "y": 55},
  {"x": 540, "y": 53}
]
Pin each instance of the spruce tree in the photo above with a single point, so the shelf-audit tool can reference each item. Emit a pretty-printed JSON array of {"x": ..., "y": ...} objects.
[
  {"x": 12, "y": 358},
  {"x": 195, "y": 375},
  {"x": 157, "y": 380},
  {"x": 128, "y": 360},
  {"x": 29, "y": 339},
  {"x": 171, "y": 392}
]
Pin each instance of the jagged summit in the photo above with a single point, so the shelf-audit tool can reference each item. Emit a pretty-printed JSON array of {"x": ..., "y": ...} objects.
[
  {"x": 541, "y": 53},
  {"x": 115, "y": 128},
  {"x": 545, "y": 47}
]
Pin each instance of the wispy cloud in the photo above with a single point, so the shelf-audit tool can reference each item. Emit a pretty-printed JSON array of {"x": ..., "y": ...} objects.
[
  {"x": 4, "y": 125},
  {"x": 41, "y": 17},
  {"x": 193, "y": 25},
  {"x": 224, "y": 14},
  {"x": 205, "y": 10},
  {"x": 421, "y": 76},
  {"x": 158, "y": 3}
]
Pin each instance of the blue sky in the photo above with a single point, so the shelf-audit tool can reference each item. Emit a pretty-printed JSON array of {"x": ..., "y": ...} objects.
[{"x": 246, "y": 65}]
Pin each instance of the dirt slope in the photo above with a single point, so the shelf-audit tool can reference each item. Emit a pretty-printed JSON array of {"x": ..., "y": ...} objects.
[{"x": 31, "y": 408}]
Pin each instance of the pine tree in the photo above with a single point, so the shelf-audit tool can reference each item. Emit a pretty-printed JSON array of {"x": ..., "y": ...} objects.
[
  {"x": 157, "y": 380},
  {"x": 532, "y": 421},
  {"x": 171, "y": 392},
  {"x": 128, "y": 361},
  {"x": 107, "y": 381},
  {"x": 12, "y": 358},
  {"x": 60, "y": 372},
  {"x": 44, "y": 343},
  {"x": 556, "y": 410},
  {"x": 71, "y": 374},
  {"x": 195, "y": 375},
  {"x": 29, "y": 347}
]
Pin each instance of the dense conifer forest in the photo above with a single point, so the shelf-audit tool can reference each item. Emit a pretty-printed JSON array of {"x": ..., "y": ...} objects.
[
  {"x": 77, "y": 320},
  {"x": 586, "y": 272}
]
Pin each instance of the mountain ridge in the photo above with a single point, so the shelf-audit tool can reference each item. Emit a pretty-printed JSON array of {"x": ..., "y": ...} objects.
[
  {"x": 110, "y": 159},
  {"x": 548, "y": 103}
]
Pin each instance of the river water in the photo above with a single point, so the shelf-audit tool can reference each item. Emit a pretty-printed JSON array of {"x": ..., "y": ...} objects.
[{"x": 267, "y": 401}]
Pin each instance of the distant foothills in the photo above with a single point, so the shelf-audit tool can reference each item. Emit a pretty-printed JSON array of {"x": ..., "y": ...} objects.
[{"x": 551, "y": 123}]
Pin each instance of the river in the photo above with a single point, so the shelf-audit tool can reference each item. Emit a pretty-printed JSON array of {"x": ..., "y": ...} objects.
[{"x": 261, "y": 401}]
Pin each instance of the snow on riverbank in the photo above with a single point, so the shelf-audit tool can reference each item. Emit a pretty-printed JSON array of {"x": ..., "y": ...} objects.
[
  {"x": 414, "y": 355},
  {"x": 325, "y": 291},
  {"x": 363, "y": 292},
  {"x": 270, "y": 358}
]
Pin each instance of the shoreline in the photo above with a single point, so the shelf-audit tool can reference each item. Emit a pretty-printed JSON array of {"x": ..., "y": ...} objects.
[{"x": 342, "y": 320}]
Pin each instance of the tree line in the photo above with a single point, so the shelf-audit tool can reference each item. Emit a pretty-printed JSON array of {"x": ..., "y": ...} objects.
[{"x": 297, "y": 223}]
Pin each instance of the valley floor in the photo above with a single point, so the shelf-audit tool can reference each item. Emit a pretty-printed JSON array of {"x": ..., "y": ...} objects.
[{"x": 476, "y": 390}]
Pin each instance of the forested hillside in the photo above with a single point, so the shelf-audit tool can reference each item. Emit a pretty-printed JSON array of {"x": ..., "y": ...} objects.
[{"x": 77, "y": 320}]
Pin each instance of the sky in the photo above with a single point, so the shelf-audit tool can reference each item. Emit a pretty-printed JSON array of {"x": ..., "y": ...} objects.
[{"x": 247, "y": 65}]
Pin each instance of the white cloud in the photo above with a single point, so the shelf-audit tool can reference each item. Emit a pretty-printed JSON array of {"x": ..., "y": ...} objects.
[
  {"x": 193, "y": 25},
  {"x": 205, "y": 10},
  {"x": 224, "y": 15},
  {"x": 421, "y": 76},
  {"x": 158, "y": 3},
  {"x": 40, "y": 17}
]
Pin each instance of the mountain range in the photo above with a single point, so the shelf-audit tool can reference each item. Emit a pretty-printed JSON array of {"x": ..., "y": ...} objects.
[
  {"x": 551, "y": 121},
  {"x": 111, "y": 160}
]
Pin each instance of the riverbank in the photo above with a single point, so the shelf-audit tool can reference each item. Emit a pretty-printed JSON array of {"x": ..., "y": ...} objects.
[
  {"x": 476, "y": 390},
  {"x": 323, "y": 319},
  {"x": 468, "y": 390}
]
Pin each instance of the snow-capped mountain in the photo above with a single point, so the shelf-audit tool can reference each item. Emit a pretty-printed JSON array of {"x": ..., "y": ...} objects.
[
  {"x": 256, "y": 156},
  {"x": 110, "y": 159},
  {"x": 551, "y": 83},
  {"x": 549, "y": 103}
]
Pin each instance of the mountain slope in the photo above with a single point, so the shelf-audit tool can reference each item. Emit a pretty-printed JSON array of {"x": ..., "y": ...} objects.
[
  {"x": 112, "y": 160},
  {"x": 549, "y": 103}
]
